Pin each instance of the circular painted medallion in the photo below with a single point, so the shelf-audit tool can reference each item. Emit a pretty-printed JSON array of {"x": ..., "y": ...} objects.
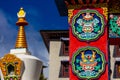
[
  {"x": 88, "y": 25},
  {"x": 88, "y": 62}
]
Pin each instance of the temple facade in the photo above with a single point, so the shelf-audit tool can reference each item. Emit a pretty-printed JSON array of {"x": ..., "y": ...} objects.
[
  {"x": 57, "y": 44},
  {"x": 89, "y": 57}
]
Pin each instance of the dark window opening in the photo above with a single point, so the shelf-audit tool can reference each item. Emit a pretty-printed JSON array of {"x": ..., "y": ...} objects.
[
  {"x": 11, "y": 70},
  {"x": 65, "y": 48},
  {"x": 116, "y": 51},
  {"x": 64, "y": 69},
  {"x": 116, "y": 73}
]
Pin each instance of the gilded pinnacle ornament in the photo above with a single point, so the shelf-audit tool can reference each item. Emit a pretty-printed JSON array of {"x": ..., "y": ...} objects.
[
  {"x": 21, "y": 37},
  {"x": 21, "y": 13}
]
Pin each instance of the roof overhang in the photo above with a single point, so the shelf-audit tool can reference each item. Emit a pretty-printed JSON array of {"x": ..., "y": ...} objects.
[
  {"x": 61, "y": 7},
  {"x": 64, "y": 5}
]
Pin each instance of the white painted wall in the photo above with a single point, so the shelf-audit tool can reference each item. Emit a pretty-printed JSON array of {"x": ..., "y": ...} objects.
[
  {"x": 112, "y": 62},
  {"x": 31, "y": 65},
  {"x": 55, "y": 60}
]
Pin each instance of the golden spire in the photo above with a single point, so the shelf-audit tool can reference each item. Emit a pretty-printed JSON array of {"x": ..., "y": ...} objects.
[{"x": 21, "y": 38}]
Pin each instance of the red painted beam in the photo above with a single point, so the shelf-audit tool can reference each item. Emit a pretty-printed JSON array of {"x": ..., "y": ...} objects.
[
  {"x": 73, "y": 2},
  {"x": 94, "y": 1},
  {"x": 114, "y": 41},
  {"x": 101, "y": 1},
  {"x": 87, "y": 1},
  {"x": 80, "y": 2}
]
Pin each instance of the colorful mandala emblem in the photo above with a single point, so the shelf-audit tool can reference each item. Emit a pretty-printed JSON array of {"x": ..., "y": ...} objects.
[
  {"x": 88, "y": 62},
  {"x": 88, "y": 25}
]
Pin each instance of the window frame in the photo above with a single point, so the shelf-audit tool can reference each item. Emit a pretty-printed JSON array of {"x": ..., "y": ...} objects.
[
  {"x": 116, "y": 73},
  {"x": 63, "y": 68},
  {"x": 64, "y": 48}
]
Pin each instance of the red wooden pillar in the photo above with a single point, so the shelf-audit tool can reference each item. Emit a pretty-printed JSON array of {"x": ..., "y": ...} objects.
[{"x": 88, "y": 44}]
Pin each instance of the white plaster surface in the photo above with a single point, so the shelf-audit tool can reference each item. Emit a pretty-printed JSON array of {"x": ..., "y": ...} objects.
[
  {"x": 55, "y": 60},
  {"x": 31, "y": 65}
]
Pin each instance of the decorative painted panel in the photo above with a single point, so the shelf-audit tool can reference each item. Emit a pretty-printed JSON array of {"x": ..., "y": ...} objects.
[
  {"x": 114, "y": 25},
  {"x": 88, "y": 62},
  {"x": 11, "y": 67},
  {"x": 88, "y": 24},
  {"x": 88, "y": 43}
]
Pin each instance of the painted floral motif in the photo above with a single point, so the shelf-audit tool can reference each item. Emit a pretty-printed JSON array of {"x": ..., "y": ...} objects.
[
  {"x": 87, "y": 24},
  {"x": 88, "y": 63},
  {"x": 114, "y": 25},
  {"x": 118, "y": 21}
]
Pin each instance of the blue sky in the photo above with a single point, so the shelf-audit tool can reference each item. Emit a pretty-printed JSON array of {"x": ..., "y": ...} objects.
[{"x": 40, "y": 14}]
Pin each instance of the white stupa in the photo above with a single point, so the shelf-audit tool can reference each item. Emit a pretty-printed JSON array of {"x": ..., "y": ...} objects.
[{"x": 19, "y": 64}]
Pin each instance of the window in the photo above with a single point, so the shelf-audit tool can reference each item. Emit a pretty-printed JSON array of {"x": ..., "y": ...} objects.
[
  {"x": 116, "y": 73},
  {"x": 64, "y": 69},
  {"x": 65, "y": 48},
  {"x": 117, "y": 51}
]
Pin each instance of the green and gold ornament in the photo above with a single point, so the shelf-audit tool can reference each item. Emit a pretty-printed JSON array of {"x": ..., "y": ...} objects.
[
  {"x": 88, "y": 25},
  {"x": 88, "y": 63}
]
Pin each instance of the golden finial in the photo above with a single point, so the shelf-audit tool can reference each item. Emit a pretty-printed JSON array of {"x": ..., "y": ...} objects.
[
  {"x": 21, "y": 37},
  {"x": 21, "y": 13},
  {"x": 21, "y": 18}
]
